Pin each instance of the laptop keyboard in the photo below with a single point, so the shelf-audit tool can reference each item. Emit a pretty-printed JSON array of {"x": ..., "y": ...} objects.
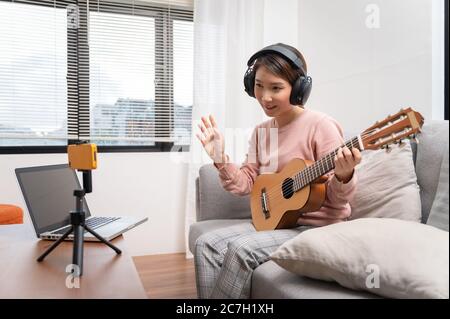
[{"x": 92, "y": 223}]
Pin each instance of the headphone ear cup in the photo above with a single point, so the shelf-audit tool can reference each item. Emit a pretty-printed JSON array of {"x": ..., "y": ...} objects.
[
  {"x": 301, "y": 90},
  {"x": 295, "y": 93},
  {"x": 306, "y": 89},
  {"x": 249, "y": 82}
]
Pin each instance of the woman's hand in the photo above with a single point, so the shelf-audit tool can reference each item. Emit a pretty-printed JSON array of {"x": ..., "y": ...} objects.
[
  {"x": 212, "y": 140},
  {"x": 345, "y": 162}
]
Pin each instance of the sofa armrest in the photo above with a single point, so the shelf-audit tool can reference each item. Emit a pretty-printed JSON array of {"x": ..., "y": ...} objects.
[
  {"x": 430, "y": 153},
  {"x": 214, "y": 202}
]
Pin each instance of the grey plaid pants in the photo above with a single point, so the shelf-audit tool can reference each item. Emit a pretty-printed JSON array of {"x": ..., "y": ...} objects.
[{"x": 225, "y": 258}]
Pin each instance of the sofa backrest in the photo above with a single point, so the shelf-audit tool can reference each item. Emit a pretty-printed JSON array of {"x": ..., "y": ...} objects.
[
  {"x": 213, "y": 202},
  {"x": 433, "y": 142}
]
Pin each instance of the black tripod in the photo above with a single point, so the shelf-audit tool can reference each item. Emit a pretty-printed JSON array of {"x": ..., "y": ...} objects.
[{"x": 77, "y": 221}]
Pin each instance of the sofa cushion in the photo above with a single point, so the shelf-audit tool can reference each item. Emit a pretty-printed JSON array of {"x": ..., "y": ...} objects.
[
  {"x": 214, "y": 202},
  {"x": 271, "y": 281},
  {"x": 439, "y": 211},
  {"x": 430, "y": 151},
  {"x": 387, "y": 185},
  {"x": 389, "y": 257},
  {"x": 200, "y": 228}
]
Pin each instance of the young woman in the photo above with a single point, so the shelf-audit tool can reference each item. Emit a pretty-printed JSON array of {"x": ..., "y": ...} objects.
[{"x": 277, "y": 78}]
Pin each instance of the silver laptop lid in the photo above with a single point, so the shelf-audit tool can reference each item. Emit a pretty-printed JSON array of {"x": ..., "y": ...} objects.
[{"x": 48, "y": 193}]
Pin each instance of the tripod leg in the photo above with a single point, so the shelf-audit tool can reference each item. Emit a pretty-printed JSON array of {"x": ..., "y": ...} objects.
[
  {"x": 78, "y": 241},
  {"x": 53, "y": 246},
  {"x": 103, "y": 240}
]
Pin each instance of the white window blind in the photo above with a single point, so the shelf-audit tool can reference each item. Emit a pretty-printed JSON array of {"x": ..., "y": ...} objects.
[
  {"x": 33, "y": 68},
  {"x": 140, "y": 72},
  {"x": 121, "y": 75}
]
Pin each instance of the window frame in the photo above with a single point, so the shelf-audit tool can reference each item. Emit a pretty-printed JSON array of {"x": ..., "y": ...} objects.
[{"x": 163, "y": 29}]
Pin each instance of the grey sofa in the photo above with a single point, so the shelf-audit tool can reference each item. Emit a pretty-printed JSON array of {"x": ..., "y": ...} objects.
[{"x": 217, "y": 208}]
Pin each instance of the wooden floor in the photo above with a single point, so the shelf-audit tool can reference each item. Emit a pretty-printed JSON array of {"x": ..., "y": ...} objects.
[{"x": 167, "y": 276}]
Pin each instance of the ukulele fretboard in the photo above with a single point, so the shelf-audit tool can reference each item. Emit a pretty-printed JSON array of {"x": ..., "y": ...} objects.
[{"x": 322, "y": 166}]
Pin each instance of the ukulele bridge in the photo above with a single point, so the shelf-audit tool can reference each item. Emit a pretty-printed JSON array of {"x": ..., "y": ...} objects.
[{"x": 264, "y": 203}]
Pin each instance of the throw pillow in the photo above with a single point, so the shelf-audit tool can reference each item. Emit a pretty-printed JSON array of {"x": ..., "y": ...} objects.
[
  {"x": 388, "y": 257},
  {"x": 387, "y": 185},
  {"x": 439, "y": 210}
]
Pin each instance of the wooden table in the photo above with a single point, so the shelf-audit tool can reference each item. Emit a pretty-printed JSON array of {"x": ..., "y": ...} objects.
[{"x": 105, "y": 274}]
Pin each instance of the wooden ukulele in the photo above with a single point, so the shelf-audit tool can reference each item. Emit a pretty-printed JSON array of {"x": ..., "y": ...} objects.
[{"x": 278, "y": 199}]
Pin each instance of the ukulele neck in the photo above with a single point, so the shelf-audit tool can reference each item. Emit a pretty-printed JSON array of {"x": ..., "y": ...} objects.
[{"x": 324, "y": 165}]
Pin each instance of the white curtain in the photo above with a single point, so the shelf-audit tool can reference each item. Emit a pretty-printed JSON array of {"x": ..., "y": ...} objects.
[{"x": 226, "y": 34}]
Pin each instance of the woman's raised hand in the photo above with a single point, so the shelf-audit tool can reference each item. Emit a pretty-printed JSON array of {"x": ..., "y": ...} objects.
[{"x": 212, "y": 140}]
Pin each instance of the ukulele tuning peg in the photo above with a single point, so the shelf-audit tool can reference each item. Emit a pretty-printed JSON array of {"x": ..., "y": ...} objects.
[
  {"x": 414, "y": 138},
  {"x": 401, "y": 143}
]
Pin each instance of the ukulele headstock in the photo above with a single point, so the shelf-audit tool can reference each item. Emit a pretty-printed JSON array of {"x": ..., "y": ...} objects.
[{"x": 393, "y": 130}]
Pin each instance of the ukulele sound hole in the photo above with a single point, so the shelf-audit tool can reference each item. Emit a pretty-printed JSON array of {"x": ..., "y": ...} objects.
[{"x": 288, "y": 188}]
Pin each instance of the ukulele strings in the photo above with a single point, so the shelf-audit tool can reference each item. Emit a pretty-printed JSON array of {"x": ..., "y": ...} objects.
[{"x": 309, "y": 170}]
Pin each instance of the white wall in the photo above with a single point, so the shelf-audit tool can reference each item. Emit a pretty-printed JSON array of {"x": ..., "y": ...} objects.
[
  {"x": 362, "y": 74},
  {"x": 281, "y": 23},
  {"x": 136, "y": 184}
]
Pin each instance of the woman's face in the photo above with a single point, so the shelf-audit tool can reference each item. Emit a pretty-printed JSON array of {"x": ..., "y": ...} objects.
[{"x": 272, "y": 92}]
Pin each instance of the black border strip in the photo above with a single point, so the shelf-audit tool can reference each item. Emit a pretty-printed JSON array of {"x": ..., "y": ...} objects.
[{"x": 446, "y": 53}]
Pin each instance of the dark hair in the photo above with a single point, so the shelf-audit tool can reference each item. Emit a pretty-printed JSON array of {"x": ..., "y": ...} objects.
[{"x": 281, "y": 67}]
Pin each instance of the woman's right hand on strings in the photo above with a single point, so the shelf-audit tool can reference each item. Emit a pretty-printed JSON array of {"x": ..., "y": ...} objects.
[{"x": 212, "y": 140}]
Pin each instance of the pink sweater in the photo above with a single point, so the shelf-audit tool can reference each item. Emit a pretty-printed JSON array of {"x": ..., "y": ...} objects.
[{"x": 310, "y": 136}]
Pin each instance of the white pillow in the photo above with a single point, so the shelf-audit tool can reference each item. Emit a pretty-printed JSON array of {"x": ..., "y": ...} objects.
[
  {"x": 387, "y": 185},
  {"x": 388, "y": 257}
]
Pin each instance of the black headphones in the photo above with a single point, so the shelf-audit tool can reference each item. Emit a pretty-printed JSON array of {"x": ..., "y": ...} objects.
[{"x": 302, "y": 85}]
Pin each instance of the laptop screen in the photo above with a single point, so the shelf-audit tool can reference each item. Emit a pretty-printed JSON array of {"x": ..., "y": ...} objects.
[{"x": 48, "y": 193}]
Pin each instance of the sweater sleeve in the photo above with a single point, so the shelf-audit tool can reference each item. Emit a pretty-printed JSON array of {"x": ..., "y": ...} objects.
[
  {"x": 239, "y": 180},
  {"x": 327, "y": 137}
]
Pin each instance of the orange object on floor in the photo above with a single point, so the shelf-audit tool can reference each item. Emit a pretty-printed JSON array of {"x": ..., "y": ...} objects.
[{"x": 10, "y": 214}]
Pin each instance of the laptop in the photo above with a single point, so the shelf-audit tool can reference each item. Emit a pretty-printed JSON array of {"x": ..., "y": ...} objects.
[{"x": 48, "y": 193}]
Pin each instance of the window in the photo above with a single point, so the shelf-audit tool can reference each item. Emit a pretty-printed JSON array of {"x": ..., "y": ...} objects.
[
  {"x": 120, "y": 76},
  {"x": 122, "y": 73},
  {"x": 33, "y": 67},
  {"x": 183, "y": 69}
]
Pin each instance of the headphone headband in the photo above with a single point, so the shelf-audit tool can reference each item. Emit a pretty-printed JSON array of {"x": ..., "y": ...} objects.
[
  {"x": 301, "y": 88},
  {"x": 290, "y": 56}
]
